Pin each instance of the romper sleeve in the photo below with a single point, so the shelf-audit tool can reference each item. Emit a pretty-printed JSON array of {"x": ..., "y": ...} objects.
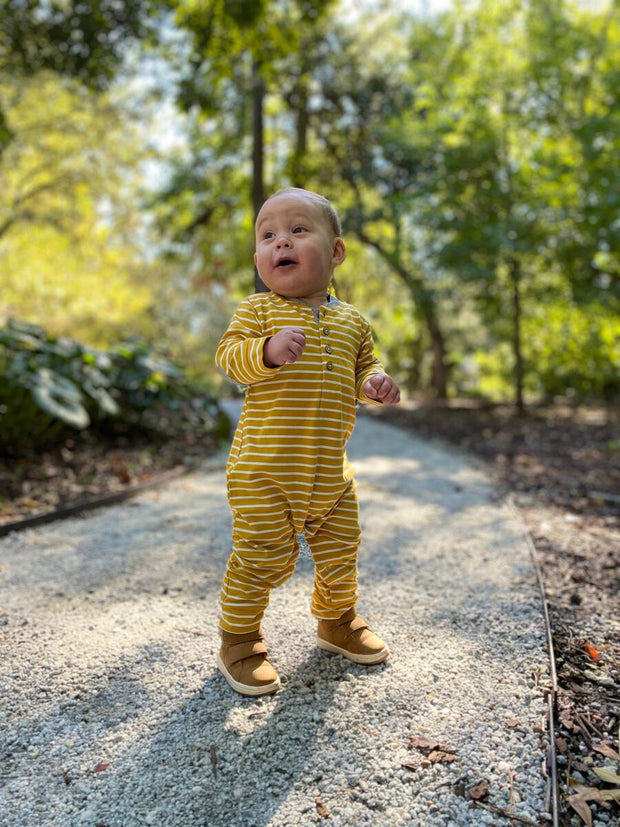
[
  {"x": 367, "y": 364},
  {"x": 240, "y": 351}
]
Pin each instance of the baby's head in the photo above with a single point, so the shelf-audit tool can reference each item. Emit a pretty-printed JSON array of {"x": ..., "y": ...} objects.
[{"x": 298, "y": 244}]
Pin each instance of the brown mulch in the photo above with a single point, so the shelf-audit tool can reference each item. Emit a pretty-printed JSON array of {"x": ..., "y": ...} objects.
[
  {"x": 85, "y": 468},
  {"x": 561, "y": 466}
]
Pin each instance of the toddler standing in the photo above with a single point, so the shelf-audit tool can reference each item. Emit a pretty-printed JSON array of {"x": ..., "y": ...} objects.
[{"x": 306, "y": 359}]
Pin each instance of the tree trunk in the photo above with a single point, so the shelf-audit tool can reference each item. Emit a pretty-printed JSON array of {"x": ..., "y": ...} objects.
[
  {"x": 439, "y": 373},
  {"x": 298, "y": 176},
  {"x": 425, "y": 302},
  {"x": 258, "y": 154},
  {"x": 514, "y": 268}
]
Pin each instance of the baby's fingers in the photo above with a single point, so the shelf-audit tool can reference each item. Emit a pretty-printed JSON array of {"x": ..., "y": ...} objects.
[
  {"x": 382, "y": 388},
  {"x": 371, "y": 387},
  {"x": 392, "y": 397},
  {"x": 294, "y": 351}
]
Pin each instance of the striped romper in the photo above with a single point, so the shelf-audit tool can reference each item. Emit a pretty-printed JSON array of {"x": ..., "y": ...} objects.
[{"x": 287, "y": 471}]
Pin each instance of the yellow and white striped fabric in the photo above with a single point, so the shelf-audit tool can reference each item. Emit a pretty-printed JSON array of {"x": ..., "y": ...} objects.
[{"x": 287, "y": 471}]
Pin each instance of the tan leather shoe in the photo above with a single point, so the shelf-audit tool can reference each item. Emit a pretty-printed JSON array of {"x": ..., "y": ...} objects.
[
  {"x": 242, "y": 660},
  {"x": 351, "y": 637}
]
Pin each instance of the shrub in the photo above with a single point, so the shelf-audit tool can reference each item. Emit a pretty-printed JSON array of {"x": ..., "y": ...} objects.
[{"x": 51, "y": 384}]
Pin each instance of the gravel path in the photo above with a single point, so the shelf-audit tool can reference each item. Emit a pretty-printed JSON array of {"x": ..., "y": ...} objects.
[{"x": 113, "y": 712}]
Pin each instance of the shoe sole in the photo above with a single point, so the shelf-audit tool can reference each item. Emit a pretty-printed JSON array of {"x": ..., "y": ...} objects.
[
  {"x": 246, "y": 689},
  {"x": 377, "y": 657}
]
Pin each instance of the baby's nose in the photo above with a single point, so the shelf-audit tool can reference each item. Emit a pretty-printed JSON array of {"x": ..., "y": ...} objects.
[{"x": 283, "y": 241}]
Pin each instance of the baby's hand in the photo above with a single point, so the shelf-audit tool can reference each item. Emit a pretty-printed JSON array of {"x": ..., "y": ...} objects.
[
  {"x": 286, "y": 345},
  {"x": 382, "y": 388}
]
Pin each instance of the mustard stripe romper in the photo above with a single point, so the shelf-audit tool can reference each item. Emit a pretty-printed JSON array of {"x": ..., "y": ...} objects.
[{"x": 287, "y": 471}]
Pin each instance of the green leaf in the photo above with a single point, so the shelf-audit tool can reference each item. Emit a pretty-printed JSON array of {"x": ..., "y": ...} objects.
[{"x": 60, "y": 398}]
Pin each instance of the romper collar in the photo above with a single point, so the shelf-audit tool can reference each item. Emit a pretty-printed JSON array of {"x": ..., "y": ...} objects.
[{"x": 330, "y": 300}]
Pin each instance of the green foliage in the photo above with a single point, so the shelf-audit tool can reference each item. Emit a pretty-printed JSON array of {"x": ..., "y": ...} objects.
[
  {"x": 572, "y": 352},
  {"x": 79, "y": 39},
  {"x": 49, "y": 384},
  {"x": 474, "y": 157},
  {"x": 72, "y": 236},
  {"x": 576, "y": 351}
]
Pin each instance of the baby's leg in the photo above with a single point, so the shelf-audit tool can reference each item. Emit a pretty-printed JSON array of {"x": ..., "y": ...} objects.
[
  {"x": 334, "y": 539},
  {"x": 264, "y": 555},
  {"x": 334, "y": 542}
]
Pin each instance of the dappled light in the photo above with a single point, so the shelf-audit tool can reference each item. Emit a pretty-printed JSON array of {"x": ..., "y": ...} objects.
[{"x": 471, "y": 151}]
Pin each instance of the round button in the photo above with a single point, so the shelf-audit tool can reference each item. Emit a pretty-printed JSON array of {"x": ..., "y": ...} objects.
[
  {"x": 326, "y": 331},
  {"x": 329, "y": 366},
  {"x": 328, "y": 349}
]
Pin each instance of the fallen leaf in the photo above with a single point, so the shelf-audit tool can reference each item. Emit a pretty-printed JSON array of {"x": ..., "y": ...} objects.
[
  {"x": 479, "y": 791},
  {"x": 321, "y": 809},
  {"x": 606, "y": 775},
  {"x": 580, "y": 806},
  {"x": 422, "y": 743},
  {"x": 440, "y": 756},
  {"x": 592, "y": 652},
  {"x": 101, "y": 767},
  {"x": 595, "y": 794},
  {"x": 412, "y": 767},
  {"x": 606, "y": 750},
  {"x": 121, "y": 469},
  {"x": 435, "y": 752},
  {"x": 567, "y": 721}
]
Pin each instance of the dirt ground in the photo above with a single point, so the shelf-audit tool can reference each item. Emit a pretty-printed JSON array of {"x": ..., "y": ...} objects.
[{"x": 560, "y": 465}]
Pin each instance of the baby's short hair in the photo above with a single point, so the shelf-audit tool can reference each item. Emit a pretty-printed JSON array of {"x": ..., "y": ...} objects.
[{"x": 328, "y": 210}]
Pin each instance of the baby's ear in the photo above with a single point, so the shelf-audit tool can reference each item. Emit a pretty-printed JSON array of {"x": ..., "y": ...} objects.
[{"x": 340, "y": 252}]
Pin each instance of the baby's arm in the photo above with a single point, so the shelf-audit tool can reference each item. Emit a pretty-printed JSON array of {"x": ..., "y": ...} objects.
[
  {"x": 240, "y": 351},
  {"x": 372, "y": 383}
]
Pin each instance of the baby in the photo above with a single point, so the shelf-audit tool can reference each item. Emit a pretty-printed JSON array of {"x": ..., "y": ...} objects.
[{"x": 306, "y": 359}]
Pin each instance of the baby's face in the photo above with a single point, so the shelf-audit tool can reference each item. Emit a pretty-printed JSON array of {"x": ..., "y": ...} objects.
[{"x": 296, "y": 249}]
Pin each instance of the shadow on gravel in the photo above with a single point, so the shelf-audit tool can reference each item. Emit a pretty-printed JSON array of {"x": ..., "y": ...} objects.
[{"x": 226, "y": 760}]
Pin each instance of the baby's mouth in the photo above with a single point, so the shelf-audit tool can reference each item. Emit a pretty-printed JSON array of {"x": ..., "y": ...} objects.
[{"x": 285, "y": 262}]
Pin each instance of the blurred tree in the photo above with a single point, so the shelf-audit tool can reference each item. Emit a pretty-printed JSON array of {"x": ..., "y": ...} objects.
[
  {"x": 71, "y": 239},
  {"x": 357, "y": 92},
  {"x": 237, "y": 49},
  {"x": 85, "y": 41},
  {"x": 575, "y": 76},
  {"x": 502, "y": 133}
]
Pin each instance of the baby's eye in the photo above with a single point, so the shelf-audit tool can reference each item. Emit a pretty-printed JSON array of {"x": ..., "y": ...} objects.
[
  {"x": 299, "y": 229},
  {"x": 269, "y": 234}
]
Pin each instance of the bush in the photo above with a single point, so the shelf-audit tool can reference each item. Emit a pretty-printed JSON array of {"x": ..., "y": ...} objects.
[
  {"x": 49, "y": 385},
  {"x": 575, "y": 351}
]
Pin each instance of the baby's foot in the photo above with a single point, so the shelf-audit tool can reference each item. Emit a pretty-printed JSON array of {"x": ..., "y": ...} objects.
[
  {"x": 350, "y": 636},
  {"x": 242, "y": 660}
]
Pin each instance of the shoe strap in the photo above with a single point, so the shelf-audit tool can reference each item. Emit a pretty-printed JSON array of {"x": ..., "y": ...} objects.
[
  {"x": 240, "y": 651},
  {"x": 357, "y": 624}
]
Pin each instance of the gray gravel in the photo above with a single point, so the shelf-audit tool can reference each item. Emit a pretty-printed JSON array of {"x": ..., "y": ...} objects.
[{"x": 113, "y": 712}]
